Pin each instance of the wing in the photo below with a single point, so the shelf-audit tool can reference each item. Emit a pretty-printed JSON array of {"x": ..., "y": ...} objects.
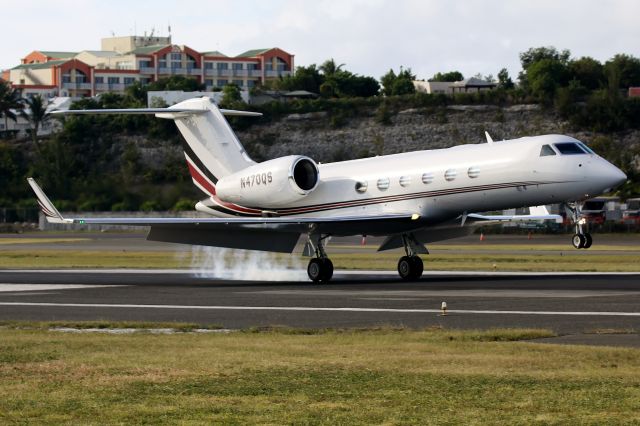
[
  {"x": 264, "y": 233},
  {"x": 536, "y": 213}
]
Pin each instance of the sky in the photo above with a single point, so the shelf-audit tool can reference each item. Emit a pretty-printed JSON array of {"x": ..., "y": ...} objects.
[{"x": 368, "y": 36}]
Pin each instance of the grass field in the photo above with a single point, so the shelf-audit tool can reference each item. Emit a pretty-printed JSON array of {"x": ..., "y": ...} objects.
[
  {"x": 382, "y": 376},
  {"x": 508, "y": 258}
]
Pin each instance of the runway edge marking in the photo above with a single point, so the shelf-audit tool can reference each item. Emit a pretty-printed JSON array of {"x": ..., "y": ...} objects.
[{"x": 317, "y": 309}]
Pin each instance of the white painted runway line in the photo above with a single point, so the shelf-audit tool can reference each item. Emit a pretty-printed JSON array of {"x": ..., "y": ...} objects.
[
  {"x": 316, "y": 309},
  {"x": 336, "y": 273},
  {"x": 10, "y": 288}
]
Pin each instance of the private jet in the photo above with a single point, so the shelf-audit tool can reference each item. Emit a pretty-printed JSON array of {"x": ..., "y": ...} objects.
[{"x": 412, "y": 198}]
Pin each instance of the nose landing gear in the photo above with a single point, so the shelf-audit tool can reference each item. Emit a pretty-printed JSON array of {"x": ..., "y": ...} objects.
[{"x": 581, "y": 239}]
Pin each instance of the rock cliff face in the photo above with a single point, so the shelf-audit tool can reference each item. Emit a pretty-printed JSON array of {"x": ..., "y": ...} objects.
[{"x": 414, "y": 129}]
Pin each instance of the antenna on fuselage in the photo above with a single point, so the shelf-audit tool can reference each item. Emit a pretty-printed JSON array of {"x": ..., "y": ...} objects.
[{"x": 489, "y": 139}]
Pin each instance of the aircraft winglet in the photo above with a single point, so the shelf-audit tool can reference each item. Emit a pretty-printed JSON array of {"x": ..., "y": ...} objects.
[
  {"x": 46, "y": 206},
  {"x": 489, "y": 138}
]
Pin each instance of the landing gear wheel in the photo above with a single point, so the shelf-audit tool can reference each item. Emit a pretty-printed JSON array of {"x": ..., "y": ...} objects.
[
  {"x": 327, "y": 269},
  {"x": 320, "y": 270},
  {"x": 587, "y": 241},
  {"x": 315, "y": 270},
  {"x": 418, "y": 267},
  {"x": 578, "y": 241},
  {"x": 410, "y": 267}
]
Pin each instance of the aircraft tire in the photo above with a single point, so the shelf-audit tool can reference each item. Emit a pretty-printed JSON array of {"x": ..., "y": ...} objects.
[
  {"x": 578, "y": 241},
  {"x": 327, "y": 269},
  {"x": 418, "y": 266},
  {"x": 588, "y": 240},
  {"x": 315, "y": 270},
  {"x": 406, "y": 268}
]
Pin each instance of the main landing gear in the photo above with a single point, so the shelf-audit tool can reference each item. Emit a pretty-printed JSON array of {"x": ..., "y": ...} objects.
[
  {"x": 410, "y": 267},
  {"x": 320, "y": 268},
  {"x": 581, "y": 239}
]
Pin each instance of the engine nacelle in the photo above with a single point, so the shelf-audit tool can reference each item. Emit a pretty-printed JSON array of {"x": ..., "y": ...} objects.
[{"x": 273, "y": 183}]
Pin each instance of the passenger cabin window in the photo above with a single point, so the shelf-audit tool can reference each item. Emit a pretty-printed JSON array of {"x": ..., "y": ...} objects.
[
  {"x": 569, "y": 148},
  {"x": 546, "y": 151}
]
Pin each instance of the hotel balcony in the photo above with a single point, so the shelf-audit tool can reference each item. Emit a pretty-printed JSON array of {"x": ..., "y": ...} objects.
[
  {"x": 147, "y": 70},
  {"x": 277, "y": 73},
  {"x": 110, "y": 87},
  {"x": 77, "y": 86}
]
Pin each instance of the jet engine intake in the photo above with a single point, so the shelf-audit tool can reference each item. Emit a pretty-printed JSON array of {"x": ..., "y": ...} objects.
[{"x": 274, "y": 183}]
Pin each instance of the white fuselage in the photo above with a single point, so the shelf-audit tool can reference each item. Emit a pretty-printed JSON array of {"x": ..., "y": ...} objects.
[{"x": 442, "y": 184}]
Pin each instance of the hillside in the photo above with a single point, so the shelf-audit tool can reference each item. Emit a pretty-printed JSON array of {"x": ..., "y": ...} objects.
[{"x": 144, "y": 168}]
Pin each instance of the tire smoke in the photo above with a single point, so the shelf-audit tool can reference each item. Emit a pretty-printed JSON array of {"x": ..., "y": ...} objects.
[{"x": 245, "y": 265}]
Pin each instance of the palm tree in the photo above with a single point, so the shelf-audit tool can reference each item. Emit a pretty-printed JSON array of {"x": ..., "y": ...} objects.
[
  {"x": 35, "y": 113},
  {"x": 330, "y": 68},
  {"x": 9, "y": 102}
]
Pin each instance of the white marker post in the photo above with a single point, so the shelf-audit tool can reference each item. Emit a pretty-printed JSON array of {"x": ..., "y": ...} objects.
[{"x": 443, "y": 308}]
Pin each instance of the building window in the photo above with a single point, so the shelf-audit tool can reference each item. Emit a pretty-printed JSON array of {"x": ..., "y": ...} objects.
[
  {"x": 99, "y": 79},
  {"x": 175, "y": 65},
  {"x": 223, "y": 66},
  {"x": 176, "y": 56},
  {"x": 66, "y": 78},
  {"x": 113, "y": 80},
  {"x": 145, "y": 80},
  {"x": 145, "y": 64},
  {"x": 208, "y": 82},
  {"x": 208, "y": 65},
  {"x": 162, "y": 63},
  {"x": 252, "y": 66},
  {"x": 251, "y": 83},
  {"x": 129, "y": 80},
  {"x": 238, "y": 83},
  {"x": 237, "y": 66},
  {"x": 222, "y": 83}
]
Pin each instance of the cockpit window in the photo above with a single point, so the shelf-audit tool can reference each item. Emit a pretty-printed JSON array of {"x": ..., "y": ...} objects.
[
  {"x": 546, "y": 151},
  {"x": 586, "y": 148},
  {"x": 569, "y": 148}
]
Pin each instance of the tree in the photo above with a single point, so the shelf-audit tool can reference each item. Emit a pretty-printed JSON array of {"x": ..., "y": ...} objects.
[
  {"x": 627, "y": 67},
  {"x": 504, "y": 81},
  {"x": 330, "y": 68},
  {"x": 36, "y": 114},
  {"x": 398, "y": 84},
  {"x": 544, "y": 77},
  {"x": 536, "y": 54},
  {"x": 450, "y": 76},
  {"x": 304, "y": 78},
  {"x": 588, "y": 71},
  {"x": 9, "y": 102},
  {"x": 230, "y": 96}
]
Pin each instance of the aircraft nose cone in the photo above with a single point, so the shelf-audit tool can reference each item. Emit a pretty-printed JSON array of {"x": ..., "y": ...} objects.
[
  {"x": 613, "y": 177},
  {"x": 618, "y": 177}
]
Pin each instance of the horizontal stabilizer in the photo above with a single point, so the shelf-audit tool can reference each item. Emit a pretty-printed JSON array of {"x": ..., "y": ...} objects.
[{"x": 169, "y": 112}]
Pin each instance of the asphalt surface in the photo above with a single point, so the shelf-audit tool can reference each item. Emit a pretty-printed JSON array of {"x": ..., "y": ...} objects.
[{"x": 585, "y": 308}]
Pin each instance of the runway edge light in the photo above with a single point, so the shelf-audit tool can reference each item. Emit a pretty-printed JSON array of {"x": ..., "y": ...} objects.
[{"x": 443, "y": 308}]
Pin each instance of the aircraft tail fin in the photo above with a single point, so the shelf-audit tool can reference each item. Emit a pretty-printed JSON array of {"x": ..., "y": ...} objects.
[{"x": 211, "y": 148}]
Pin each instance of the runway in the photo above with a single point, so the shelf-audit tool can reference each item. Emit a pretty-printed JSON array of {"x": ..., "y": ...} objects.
[{"x": 570, "y": 304}]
